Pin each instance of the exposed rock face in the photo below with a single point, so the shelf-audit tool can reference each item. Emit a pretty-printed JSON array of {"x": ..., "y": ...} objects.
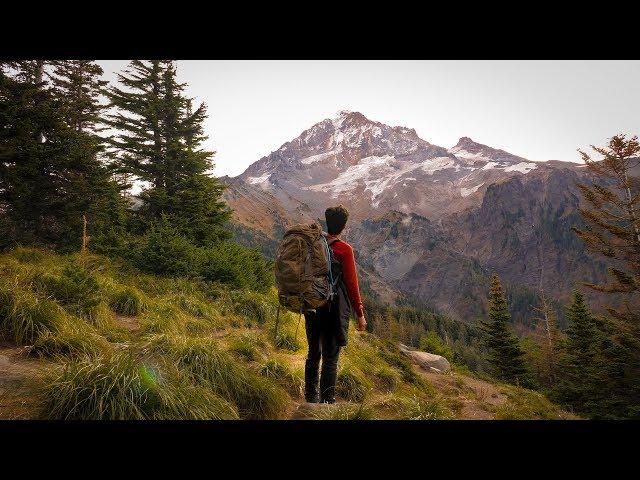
[{"x": 428, "y": 361}]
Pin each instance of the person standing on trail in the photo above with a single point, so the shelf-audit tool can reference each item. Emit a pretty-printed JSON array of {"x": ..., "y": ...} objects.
[{"x": 327, "y": 327}]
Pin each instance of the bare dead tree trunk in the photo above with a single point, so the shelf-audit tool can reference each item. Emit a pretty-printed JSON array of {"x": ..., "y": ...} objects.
[
  {"x": 85, "y": 238},
  {"x": 39, "y": 79},
  {"x": 632, "y": 211}
]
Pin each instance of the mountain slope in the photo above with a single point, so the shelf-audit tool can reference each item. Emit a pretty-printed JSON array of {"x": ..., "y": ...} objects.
[
  {"x": 430, "y": 222},
  {"x": 165, "y": 348}
]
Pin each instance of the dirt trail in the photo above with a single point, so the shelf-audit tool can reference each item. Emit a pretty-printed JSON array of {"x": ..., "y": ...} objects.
[
  {"x": 17, "y": 371},
  {"x": 476, "y": 396}
]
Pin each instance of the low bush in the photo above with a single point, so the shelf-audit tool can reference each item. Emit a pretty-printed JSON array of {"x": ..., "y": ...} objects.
[
  {"x": 165, "y": 251},
  {"x": 432, "y": 343}
]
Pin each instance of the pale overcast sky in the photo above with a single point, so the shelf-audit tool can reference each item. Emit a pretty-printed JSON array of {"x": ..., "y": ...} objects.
[{"x": 541, "y": 110}]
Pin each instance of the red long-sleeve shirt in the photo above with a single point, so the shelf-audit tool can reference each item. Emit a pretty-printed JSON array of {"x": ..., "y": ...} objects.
[{"x": 343, "y": 252}]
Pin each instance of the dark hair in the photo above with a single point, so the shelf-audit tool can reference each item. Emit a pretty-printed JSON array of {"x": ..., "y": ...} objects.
[{"x": 336, "y": 218}]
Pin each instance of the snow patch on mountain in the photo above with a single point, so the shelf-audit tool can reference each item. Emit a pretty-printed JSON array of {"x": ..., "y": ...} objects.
[
  {"x": 379, "y": 174},
  {"x": 465, "y": 192},
  {"x": 522, "y": 167},
  {"x": 319, "y": 157},
  {"x": 491, "y": 165},
  {"x": 465, "y": 155},
  {"x": 439, "y": 163},
  {"x": 263, "y": 179}
]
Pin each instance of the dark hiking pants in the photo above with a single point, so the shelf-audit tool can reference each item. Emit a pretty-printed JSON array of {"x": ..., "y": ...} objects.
[{"x": 322, "y": 337}]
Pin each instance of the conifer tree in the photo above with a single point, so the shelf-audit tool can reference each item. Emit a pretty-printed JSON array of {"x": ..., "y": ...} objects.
[
  {"x": 505, "y": 354},
  {"x": 582, "y": 361},
  {"x": 613, "y": 221},
  {"x": 49, "y": 174},
  {"x": 160, "y": 142},
  {"x": 613, "y": 231},
  {"x": 92, "y": 194},
  {"x": 596, "y": 377}
]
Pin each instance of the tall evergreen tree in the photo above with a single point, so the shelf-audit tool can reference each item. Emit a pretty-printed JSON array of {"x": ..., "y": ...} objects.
[
  {"x": 613, "y": 231},
  {"x": 92, "y": 193},
  {"x": 49, "y": 173},
  {"x": 581, "y": 361},
  {"x": 613, "y": 221},
  {"x": 505, "y": 354},
  {"x": 596, "y": 375},
  {"x": 159, "y": 141}
]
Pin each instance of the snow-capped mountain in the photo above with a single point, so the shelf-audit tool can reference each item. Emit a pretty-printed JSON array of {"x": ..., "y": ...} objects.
[
  {"x": 427, "y": 221},
  {"x": 372, "y": 168}
]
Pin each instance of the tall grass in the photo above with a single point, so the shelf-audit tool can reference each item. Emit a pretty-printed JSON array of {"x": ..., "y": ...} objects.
[
  {"x": 280, "y": 372},
  {"x": 352, "y": 384},
  {"x": 24, "y": 317},
  {"x": 75, "y": 287},
  {"x": 70, "y": 342},
  {"x": 119, "y": 387},
  {"x": 200, "y": 359},
  {"x": 126, "y": 300}
]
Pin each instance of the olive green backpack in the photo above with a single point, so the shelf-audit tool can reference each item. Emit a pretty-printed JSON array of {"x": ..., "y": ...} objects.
[{"x": 303, "y": 269}]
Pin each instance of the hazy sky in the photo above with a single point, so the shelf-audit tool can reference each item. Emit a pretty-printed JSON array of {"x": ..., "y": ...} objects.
[{"x": 540, "y": 110}]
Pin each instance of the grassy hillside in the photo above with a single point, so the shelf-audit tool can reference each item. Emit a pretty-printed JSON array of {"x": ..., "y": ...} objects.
[{"x": 87, "y": 337}]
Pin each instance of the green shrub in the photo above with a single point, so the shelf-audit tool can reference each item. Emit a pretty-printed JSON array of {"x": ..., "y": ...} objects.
[
  {"x": 164, "y": 251},
  {"x": 432, "y": 343},
  {"x": 118, "y": 387},
  {"x": 237, "y": 266},
  {"x": 75, "y": 288},
  {"x": 352, "y": 385}
]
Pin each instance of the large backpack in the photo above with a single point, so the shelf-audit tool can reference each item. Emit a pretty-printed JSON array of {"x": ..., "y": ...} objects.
[{"x": 303, "y": 269}]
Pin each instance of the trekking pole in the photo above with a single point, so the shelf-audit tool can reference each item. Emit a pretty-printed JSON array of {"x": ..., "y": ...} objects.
[
  {"x": 275, "y": 333},
  {"x": 299, "y": 318}
]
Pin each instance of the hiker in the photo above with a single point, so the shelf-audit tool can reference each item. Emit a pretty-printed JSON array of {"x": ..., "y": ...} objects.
[{"x": 328, "y": 326}]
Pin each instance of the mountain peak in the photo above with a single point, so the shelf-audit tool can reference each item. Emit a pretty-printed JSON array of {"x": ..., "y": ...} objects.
[
  {"x": 465, "y": 141},
  {"x": 468, "y": 149}
]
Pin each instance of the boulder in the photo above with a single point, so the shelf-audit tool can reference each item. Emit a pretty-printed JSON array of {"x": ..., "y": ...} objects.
[{"x": 428, "y": 361}]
